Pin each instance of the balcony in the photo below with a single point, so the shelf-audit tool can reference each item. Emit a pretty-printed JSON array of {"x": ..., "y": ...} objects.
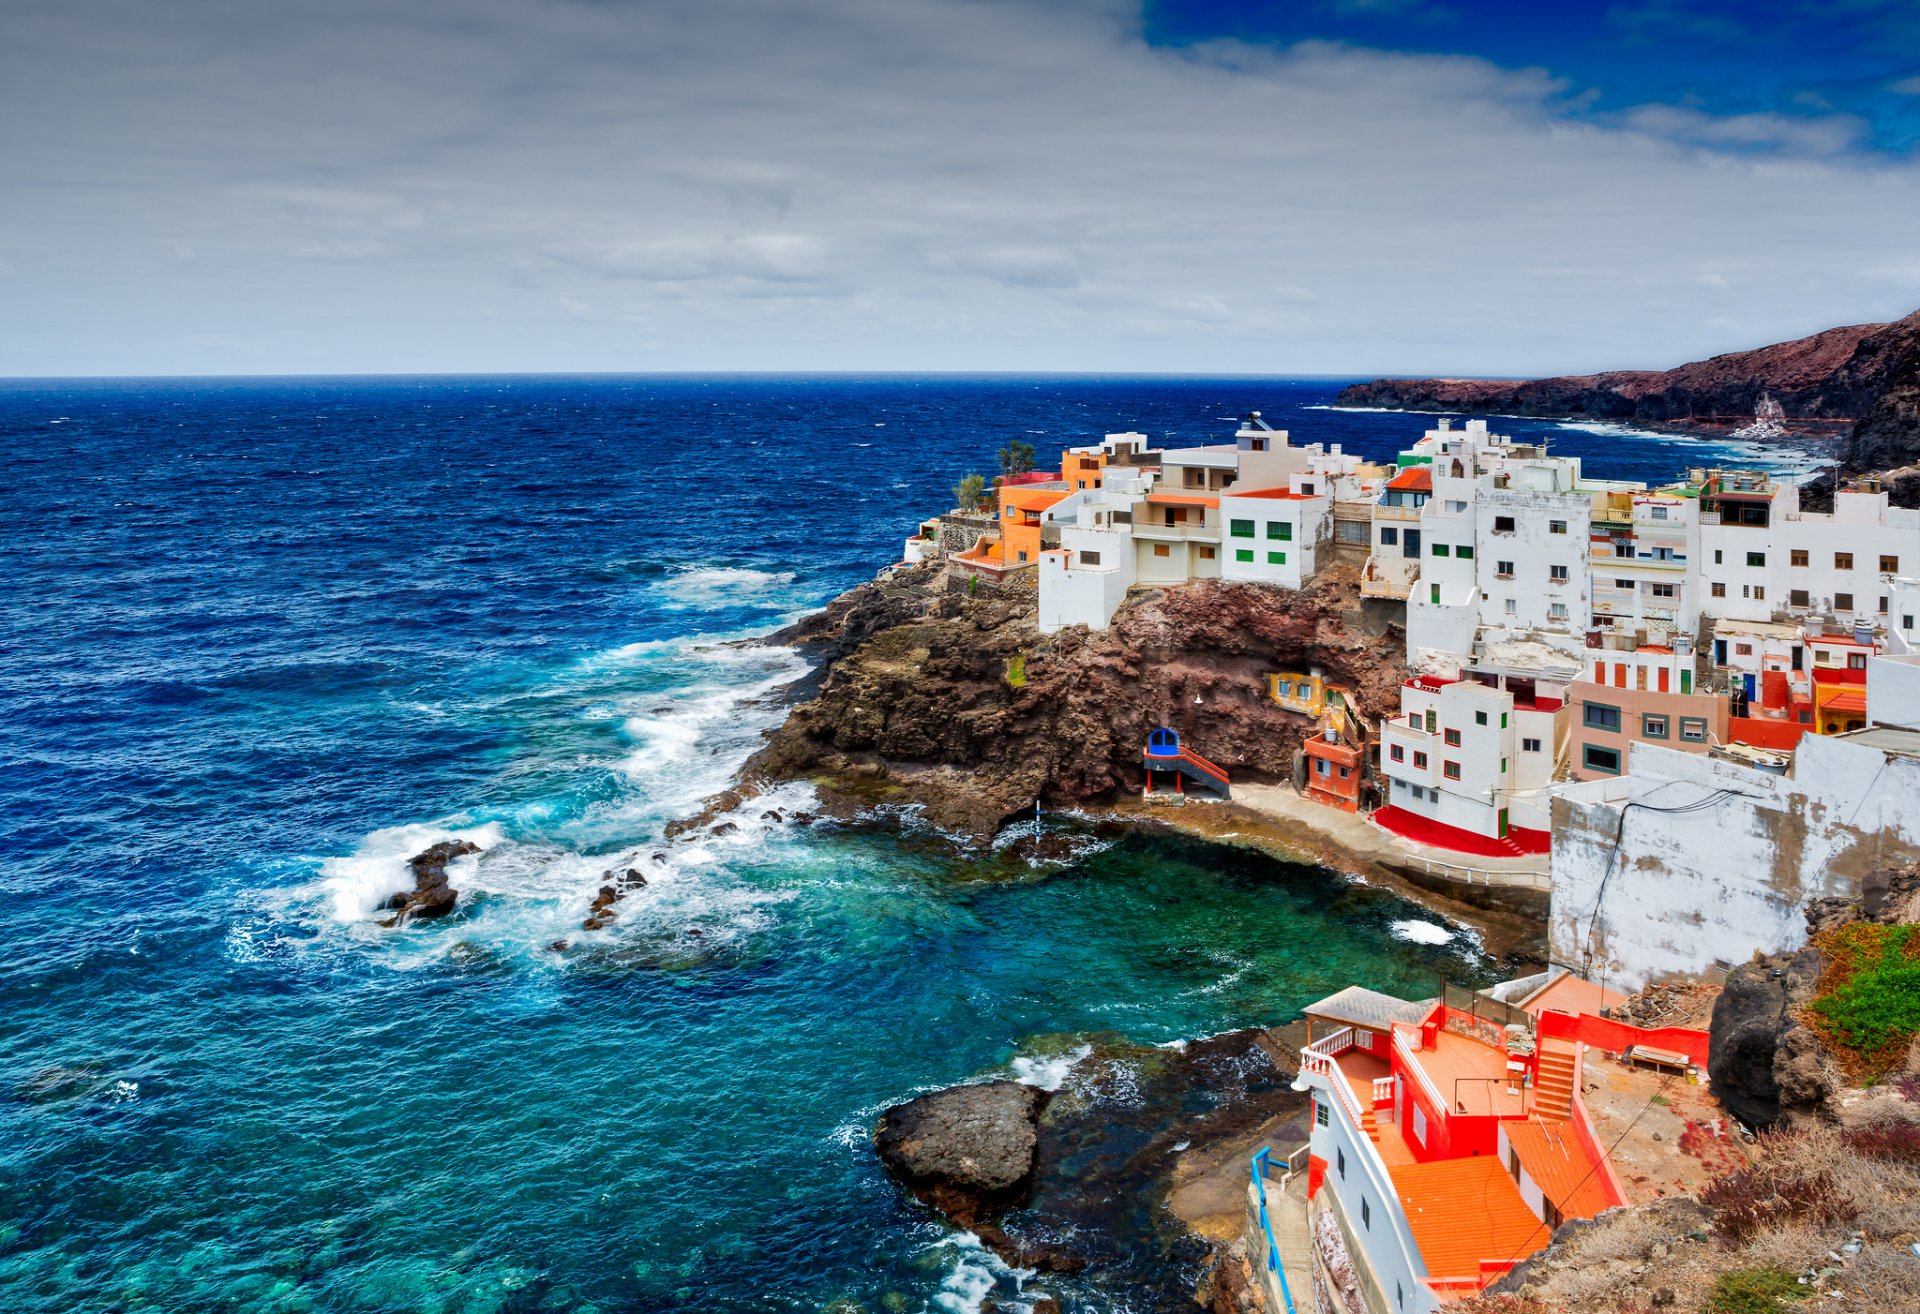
[
  {"x": 1383, "y": 580},
  {"x": 1181, "y": 531}
]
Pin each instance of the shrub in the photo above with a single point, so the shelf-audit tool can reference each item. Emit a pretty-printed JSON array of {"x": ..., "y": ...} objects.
[
  {"x": 1017, "y": 670},
  {"x": 1868, "y": 1003},
  {"x": 1899, "y": 1142},
  {"x": 1774, "y": 1193},
  {"x": 1754, "y": 1291}
]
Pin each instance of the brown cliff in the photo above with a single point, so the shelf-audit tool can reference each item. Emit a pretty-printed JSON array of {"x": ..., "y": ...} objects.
[
  {"x": 961, "y": 705},
  {"x": 1869, "y": 373}
]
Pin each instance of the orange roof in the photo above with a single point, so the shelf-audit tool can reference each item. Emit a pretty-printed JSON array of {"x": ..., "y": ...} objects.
[
  {"x": 1419, "y": 478},
  {"x": 1032, "y": 498},
  {"x": 1464, "y": 1211},
  {"x": 1572, "y": 993},
  {"x": 1851, "y": 700},
  {"x": 1278, "y": 494},
  {"x": 1182, "y": 499},
  {"x": 1559, "y": 1165}
]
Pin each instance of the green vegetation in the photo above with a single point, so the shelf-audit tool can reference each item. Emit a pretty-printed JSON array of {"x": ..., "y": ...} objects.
[
  {"x": 970, "y": 493},
  {"x": 1754, "y": 1291},
  {"x": 1868, "y": 1005},
  {"x": 1017, "y": 670},
  {"x": 1016, "y": 458}
]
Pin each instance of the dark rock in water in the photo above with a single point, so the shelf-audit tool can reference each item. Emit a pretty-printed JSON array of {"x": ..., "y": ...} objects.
[
  {"x": 1048, "y": 846},
  {"x": 774, "y": 815},
  {"x": 803, "y": 818},
  {"x": 559, "y": 946},
  {"x": 967, "y": 1151},
  {"x": 431, "y": 895},
  {"x": 630, "y": 879},
  {"x": 602, "y": 913},
  {"x": 724, "y": 828},
  {"x": 1045, "y": 1305}
]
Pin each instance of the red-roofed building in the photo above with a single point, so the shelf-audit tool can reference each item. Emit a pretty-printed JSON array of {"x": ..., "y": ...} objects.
[
  {"x": 1442, "y": 1152},
  {"x": 1277, "y": 535}
]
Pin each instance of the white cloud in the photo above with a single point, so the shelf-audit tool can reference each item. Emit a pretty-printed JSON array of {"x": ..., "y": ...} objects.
[
  {"x": 1906, "y": 86},
  {"x": 873, "y": 184}
]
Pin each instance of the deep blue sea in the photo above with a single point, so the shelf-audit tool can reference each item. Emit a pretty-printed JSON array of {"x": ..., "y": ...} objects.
[{"x": 267, "y": 639}]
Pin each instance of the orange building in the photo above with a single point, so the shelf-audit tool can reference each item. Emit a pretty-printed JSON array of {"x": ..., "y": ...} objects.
[
  {"x": 1333, "y": 771},
  {"x": 1021, "y": 506}
]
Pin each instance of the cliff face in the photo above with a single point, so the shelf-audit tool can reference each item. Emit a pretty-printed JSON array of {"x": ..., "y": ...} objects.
[
  {"x": 961, "y": 705},
  {"x": 1864, "y": 372}
]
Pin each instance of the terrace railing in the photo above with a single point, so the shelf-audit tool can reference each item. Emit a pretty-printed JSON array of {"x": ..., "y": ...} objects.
[{"x": 1262, "y": 1165}]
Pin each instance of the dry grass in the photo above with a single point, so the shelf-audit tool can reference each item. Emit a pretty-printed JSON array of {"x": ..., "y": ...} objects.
[{"x": 1808, "y": 1196}]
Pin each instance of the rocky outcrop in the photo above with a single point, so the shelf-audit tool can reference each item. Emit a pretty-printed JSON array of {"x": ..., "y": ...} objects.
[
  {"x": 1865, "y": 373},
  {"x": 960, "y": 705},
  {"x": 1091, "y": 1192},
  {"x": 1767, "y": 1066},
  {"x": 431, "y": 895},
  {"x": 968, "y": 1150}
]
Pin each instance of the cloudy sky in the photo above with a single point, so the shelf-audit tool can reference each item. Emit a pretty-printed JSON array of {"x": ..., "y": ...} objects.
[{"x": 1321, "y": 186}]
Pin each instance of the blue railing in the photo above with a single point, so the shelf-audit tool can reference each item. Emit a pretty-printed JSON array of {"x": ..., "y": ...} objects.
[{"x": 1260, "y": 1165}]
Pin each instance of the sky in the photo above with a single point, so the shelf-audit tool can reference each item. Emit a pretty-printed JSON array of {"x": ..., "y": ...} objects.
[{"x": 1349, "y": 187}]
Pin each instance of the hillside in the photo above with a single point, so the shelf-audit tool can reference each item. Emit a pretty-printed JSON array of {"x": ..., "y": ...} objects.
[{"x": 1863, "y": 375}]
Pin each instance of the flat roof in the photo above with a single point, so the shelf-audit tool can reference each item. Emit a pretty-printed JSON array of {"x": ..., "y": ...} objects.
[
  {"x": 1278, "y": 494},
  {"x": 1359, "y": 1006},
  {"x": 1182, "y": 499},
  {"x": 1463, "y": 1211},
  {"x": 1572, "y": 993},
  {"x": 1887, "y": 738},
  {"x": 1559, "y": 1165}
]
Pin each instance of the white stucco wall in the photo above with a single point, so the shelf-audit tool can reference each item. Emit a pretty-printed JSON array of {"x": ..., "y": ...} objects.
[{"x": 1664, "y": 893}]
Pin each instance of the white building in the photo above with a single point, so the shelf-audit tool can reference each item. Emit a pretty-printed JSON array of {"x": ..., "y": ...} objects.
[
  {"x": 1277, "y": 535},
  {"x": 1468, "y": 761},
  {"x": 1084, "y": 580},
  {"x": 1692, "y": 862}
]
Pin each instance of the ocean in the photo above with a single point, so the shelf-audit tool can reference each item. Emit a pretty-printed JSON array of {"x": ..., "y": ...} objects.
[{"x": 268, "y": 638}]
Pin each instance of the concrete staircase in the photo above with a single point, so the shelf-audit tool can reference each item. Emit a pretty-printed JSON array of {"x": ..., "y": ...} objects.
[
  {"x": 1559, "y": 1075},
  {"x": 1368, "y": 1123}
]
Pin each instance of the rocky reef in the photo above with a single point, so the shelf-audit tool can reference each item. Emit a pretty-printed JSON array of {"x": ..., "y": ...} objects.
[
  {"x": 1865, "y": 373},
  {"x": 958, "y": 704},
  {"x": 1096, "y": 1180},
  {"x": 432, "y": 894}
]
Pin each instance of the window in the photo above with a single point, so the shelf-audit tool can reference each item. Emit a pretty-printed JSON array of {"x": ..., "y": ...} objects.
[
  {"x": 1889, "y": 565},
  {"x": 1503, "y": 766},
  {"x": 1243, "y": 554},
  {"x": 1653, "y": 726},
  {"x": 1503, "y": 720},
  {"x": 1276, "y": 558},
  {"x": 1906, "y": 621},
  {"x": 1600, "y": 716},
  {"x": 1503, "y": 524},
  {"x": 1320, "y": 1113},
  {"x": 1798, "y": 557},
  {"x": 1161, "y": 550},
  {"x": 1623, "y": 583},
  {"x": 1455, "y": 507},
  {"x": 1756, "y": 558},
  {"x": 1556, "y": 526},
  {"x": 1513, "y": 607},
  {"x": 1759, "y": 592},
  {"x": 1366, "y": 1214},
  {"x": 1479, "y": 718},
  {"x": 1719, "y": 590},
  {"x": 1558, "y": 573},
  {"x": 1453, "y": 738},
  {"x": 1660, "y": 590},
  {"x": 1856, "y": 661},
  {"x": 1843, "y": 561},
  {"x": 1464, "y": 552},
  {"x": 1605, "y": 760},
  {"x": 1340, "y": 1160},
  {"x": 1242, "y": 529},
  {"x": 1320, "y": 765},
  {"x": 1208, "y": 554},
  {"x": 1280, "y": 531},
  {"x": 1557, "y": 611},
  {"x": 1439, "y": 549},
  {"x": 1503, "y": 569},
  {"x": 1797, "y": 598},
  {"x": 1883, "y": 604},
  {"x": 1743, "y": 650},
  {"x": 1657, "y": 512},
  {"x": 1529, "y": 745},
  {"x": 1419, "y": 1124},
  {"x": 1451, "y": 770},
  {"x": 1089, "y": 558},
  {"x": 1843, "y": 602},
  {"x": 1420, "y": 761},
  {"x": 1693, "y": 729},
  {"x": 1433, "y": 594},
  {"x": 1389, "y": 538}
]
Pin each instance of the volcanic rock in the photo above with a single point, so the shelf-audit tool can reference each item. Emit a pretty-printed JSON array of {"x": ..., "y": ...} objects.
[
  {"x": 913, "y": 704},
  {"x": 431, "y": 895},
  {"x": 968, "y": 1150}
]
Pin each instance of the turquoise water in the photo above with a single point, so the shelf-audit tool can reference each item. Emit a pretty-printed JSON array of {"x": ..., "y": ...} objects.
[{"x": 268, "y": 639}]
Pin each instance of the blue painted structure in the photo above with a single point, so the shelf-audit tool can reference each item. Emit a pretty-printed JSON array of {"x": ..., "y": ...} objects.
[{"x": 1261, "y": 1163}]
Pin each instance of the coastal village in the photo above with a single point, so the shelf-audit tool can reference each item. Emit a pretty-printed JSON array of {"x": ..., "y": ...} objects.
[{"x": 1678, "y": 724}]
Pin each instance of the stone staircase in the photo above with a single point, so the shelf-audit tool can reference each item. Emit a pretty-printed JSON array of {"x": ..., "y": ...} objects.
[{"x": 1559, "y": 1073}]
